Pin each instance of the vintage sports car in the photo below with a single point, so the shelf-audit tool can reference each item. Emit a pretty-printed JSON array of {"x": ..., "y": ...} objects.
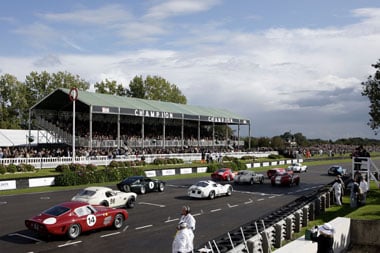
[
  {"x": 248, "y": 176},
  {"x": 272, "y": 172},
  {"x": 224, "y": 174},
  {"x": 336, "y": 170},
  {"x": 106, "y": 196},
  {"x": 285, "y": 178},
  {"x": 209, "y": 189},
  {"x": 141, "y": 184},
  {"x": 297, "y": 167},
  {"x": 74, "y": 217}
]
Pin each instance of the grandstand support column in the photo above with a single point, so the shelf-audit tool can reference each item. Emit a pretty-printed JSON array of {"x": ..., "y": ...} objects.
[
  {"x": 73, "y": 130},
  {"x": 29, "y": 126},
  {"x": 238, "y": 144},
  {"x": 213, "y": 136},
  {"x": 163, "y": 133},
  {"x": 226, "y": 135},
  {"x": 182, "y": 131},
  {"x": 90, "y": 127},
  {"x": 249, "y": 136},
  {"x": 142, "y": 131},
  {"x": 118, "y": 130},
  {"x": 199, "y": 130}
]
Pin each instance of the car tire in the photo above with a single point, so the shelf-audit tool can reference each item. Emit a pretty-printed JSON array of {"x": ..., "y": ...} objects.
[
  {"x": 74, "y": 231},
  {"x": 118, "y": 221},
  {"x": 131, "y": 202},
  {"x": 161, "y": 187},
  {"x": 229, "y": 191},
  {"x": 142, "y": 190},
  {"x": 126, "y": 188},
  {"x": 262, "y": 180},
  {"x": 104, "y": 203},
  {"x": 251, "y": 182},
  {"x": 211, "y": 195}
]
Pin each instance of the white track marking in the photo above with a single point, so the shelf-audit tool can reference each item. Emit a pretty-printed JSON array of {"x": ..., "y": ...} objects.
[
  {"x": 147, "y": 226},
  {"x": 111, "y": 234},
  {"x": 216, "y": 210},
  {"x": 151, "y": 204},
  {"x": 25, "y": 236},
  {"x": 68, "y": 244},
  {"x": 230, "y": 206}
]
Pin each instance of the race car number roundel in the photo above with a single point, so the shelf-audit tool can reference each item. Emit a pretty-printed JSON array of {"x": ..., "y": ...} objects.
[
  {"x": 91, "y": 220},
  {"x": 151, "y": 185}
]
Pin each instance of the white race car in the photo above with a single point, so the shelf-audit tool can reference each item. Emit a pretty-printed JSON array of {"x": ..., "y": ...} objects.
[
  {"x": 106, "y": 196},
  {"x": 297, "y": 167},
  {"x": 209, "y": 189}
]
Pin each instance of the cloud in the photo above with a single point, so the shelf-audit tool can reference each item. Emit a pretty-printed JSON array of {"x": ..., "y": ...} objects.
[
  {"x": 179, "y": 7},
  {"x": 302, "y": 79}
]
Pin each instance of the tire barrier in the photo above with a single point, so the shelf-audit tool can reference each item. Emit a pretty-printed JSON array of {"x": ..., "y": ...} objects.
[{"x": 272, "y": 229}]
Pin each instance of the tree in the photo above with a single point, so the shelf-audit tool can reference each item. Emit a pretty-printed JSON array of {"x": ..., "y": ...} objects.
[
  {"x": 110, "y": 87},
  {"x": 12, "y": 102},
  {"x": 371, "y": 89},
  {"x": 40, "y": 85},
  {"x": 136, "y": 88},
  {"x": 155, "y": 88}
]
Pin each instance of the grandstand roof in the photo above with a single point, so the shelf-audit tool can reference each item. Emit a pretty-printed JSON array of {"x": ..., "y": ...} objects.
[{"x": 111, "y": 104}]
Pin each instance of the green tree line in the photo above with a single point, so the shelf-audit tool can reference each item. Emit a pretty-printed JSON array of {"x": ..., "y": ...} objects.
[{"x": 17, "y": 97}]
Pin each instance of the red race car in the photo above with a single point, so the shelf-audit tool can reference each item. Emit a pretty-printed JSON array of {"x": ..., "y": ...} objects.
[
  {"x": 272, "y": 172},
  {"x": 72, "y": 218},
  {"x": 285, "y": 178},
  {"x": 224, "y": 174}
]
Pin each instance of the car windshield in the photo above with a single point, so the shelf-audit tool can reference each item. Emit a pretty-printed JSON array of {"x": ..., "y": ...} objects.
[
  {"x": 202, "y": 184},
  {"x": 86, "y": 193},
  {"x": 131, "y": 179},
  {"x": 242, "y": 173},
  {"x": 56, "y": 210}
]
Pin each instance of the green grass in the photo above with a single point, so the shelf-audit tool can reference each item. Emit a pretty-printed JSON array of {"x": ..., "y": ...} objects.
[{"x": 370, "y": 211}]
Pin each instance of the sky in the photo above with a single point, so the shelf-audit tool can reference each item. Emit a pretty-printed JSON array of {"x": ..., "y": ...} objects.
[{"x": 287, "y": 65}]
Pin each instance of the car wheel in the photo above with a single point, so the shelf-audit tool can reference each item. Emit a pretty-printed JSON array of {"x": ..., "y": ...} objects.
[
  {"x": 126, "y": 188},
  {"x": 74, "y": 231},
  {"x": 228, "y": 178},
  {"x": 131, "y": 202},
  {"x": 161, "y": 187},
  {"x": 262, "y": 180},
  {"x": 229, "y": 191},
  {"x": 251, "y": 181},
  {"x": 211, "y": 195},
  {"x": 104, "y": 203},
  {"x": 118, "y": 221},
  {"x": 142, "y": 190}
]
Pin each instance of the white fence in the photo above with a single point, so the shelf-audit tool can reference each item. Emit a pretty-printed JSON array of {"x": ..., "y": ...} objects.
[{"x": 52, "y": 162}]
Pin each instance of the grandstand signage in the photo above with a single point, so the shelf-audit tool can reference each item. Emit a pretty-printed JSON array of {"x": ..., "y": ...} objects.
[{"x": 219, "y": 119}]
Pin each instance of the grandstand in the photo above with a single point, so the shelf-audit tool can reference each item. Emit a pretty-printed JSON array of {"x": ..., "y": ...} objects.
[{"x": 104, "y": 121}]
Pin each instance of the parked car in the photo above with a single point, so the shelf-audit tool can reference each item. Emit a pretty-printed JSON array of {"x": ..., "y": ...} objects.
[
  {"x": 141, "y": 184},
  {"x": 272, "y": 172},
  {"x": 285, "y": 178},
  {"x": 297, "y": 167},
  {"x": 336, "y": 170},
  {"x": 248, "y": 176},
  {"x": 209, "y": 189},
  {"x": 224, "y": 174},
  {"x": 74, "y": 217},
  {"x": 106, "y": 196}
]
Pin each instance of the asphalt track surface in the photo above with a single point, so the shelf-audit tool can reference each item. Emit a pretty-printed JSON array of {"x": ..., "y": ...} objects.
[{"x": 151, "y": 224}]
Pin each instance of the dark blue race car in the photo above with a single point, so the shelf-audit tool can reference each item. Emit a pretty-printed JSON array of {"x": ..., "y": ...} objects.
[{"x": 141, "y": 184}]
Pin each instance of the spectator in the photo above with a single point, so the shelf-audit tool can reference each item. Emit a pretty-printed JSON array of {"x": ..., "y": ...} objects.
[
  {"x": 354, "y": 193},
  {"x": 325, "y": 239},
  {"x": 363, "y": 185},
  {"x": 183, "y": 240},
  {"x": 337, "y": 187},
  {"x": 187, "y": 217}
]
